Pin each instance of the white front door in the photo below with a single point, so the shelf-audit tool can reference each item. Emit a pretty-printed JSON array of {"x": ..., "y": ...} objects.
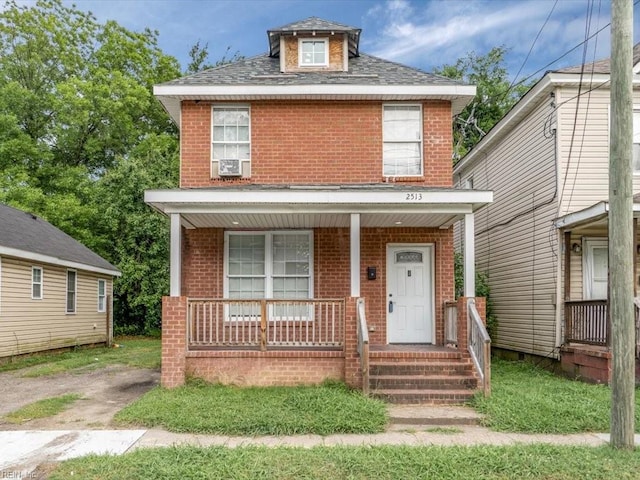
[
  {"x": 410, "y": 313},
  {"x": 595, "y": 278}
]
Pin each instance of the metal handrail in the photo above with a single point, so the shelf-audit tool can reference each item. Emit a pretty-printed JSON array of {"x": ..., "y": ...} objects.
[
  {"x": 479, "y": 346},
  {"x": 363, "y": 344}
]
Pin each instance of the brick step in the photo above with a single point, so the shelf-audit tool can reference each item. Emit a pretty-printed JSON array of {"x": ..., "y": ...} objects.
[
  {"x": 414, "y": 368},
  {"x": 395, "y": 355},
  {"x": 427, "y": 382},
  {"x": 420, "y": 396}
]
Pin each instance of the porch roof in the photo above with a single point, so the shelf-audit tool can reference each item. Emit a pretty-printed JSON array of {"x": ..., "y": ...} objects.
[
  {"x": 595, "y": 214},
  {"x": 308, "y": 206}
]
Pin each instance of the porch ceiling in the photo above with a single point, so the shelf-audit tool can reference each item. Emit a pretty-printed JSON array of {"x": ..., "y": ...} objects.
[
  {"x": 311, "y": 206},
  {"x": 595, "y": 216}
]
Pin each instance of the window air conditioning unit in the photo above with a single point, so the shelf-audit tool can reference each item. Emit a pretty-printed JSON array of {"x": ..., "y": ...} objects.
[{"x": 229, "y": 167}]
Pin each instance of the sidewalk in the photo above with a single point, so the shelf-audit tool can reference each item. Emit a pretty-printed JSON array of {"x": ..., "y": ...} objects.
[{"x": 23, "y": 451}]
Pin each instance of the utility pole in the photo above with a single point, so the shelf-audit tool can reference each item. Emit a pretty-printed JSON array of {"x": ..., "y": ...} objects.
[{"x": 621, "y": 241}]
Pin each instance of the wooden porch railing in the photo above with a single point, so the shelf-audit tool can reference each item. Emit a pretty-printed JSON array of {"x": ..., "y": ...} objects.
[
  {"x": 451, "y": 324},
  {"x": 260, "y": 324},
  {"x": 587, "y": 322},
  {"x": 479, "y": 346},
  {"x": 363, "y": 345}
]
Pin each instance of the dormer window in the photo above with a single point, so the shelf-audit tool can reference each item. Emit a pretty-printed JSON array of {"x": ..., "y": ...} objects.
[{"x": 313, "y": 52}]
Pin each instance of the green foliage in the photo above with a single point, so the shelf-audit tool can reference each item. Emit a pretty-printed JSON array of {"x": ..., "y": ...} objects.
[
  {"x": 494, "y": 96},
  {"x": 526, "y": 398},
  {"x": 47, "y": 407},
  {"x": 199, "y": 58},
  {"x": 81, "y": 137},
  {"x": 482, "y": 290},
  {"x": 548, "y": 462},
  {"x": 199, "y": 407}
]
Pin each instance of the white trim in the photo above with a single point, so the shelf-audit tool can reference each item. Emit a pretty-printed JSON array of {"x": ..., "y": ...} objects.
[
  {"x": 41, "y": 283},
  {"x": 323, "y": 40},
  {"x": 268, "y": 258},
  {"x": 421, "y": 140},
  {"x": 104, "y": 296},
  {"x": 244, "y": 91},
  {"x": 345, "y": 52},
  {"x": 427, "y": 200},
  {"x": 40, "y": 258},
  {"x": 283, "y": 49},
  {"x": 354, "y": 252},
  {"x": 469, "y": 256},
  {"x": 175, "y": 256},
  {"x": 75, "y": 292},
  {"x": 588, "y": 244}
]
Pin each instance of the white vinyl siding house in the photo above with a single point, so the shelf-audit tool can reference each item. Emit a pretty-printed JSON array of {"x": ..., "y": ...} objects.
[{"x": 518, "y": 257}]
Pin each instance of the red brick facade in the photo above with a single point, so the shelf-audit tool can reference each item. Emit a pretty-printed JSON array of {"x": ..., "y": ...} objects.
[{"x": 314, "y": 142}]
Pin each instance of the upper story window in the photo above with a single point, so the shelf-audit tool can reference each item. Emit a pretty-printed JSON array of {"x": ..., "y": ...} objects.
[
  {"x": 231, "y": 138},
  {"x": 314, "y": 53},
  {"x": 636, "y": 142},
  {"x": 36, "y": 283},
  {"x": 402, "y": 140}
]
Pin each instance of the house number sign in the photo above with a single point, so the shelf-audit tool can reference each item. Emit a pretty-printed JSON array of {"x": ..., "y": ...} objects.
[{"x": 413, "y": 197}]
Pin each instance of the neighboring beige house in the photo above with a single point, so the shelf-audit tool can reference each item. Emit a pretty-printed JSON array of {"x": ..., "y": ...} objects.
[
  {"x": 547, "y": 163},
  {"x": 54, "y": 291}
]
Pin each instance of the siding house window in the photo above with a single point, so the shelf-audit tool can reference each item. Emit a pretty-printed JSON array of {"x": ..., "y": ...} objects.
[
  {"x": 269, "y": 265},
  {"x": 102, "y": 295},
  {"x": 636, "y": 141},
  {"x": 231, "y": 135},
  {"x": 402, "y": 140},
  {"x": 36, "y": 283},
  {"x": 72, "y": 284},
  {"x": 313, "y": 53}
]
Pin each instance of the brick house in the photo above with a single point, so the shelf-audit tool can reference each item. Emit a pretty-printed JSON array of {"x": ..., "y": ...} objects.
[{"x": 311, "y": 236}]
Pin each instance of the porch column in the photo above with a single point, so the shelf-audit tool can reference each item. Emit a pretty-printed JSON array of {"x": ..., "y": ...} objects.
[
  {"x": 175, "y": 257},
  {"x": 355, "y": 254},
  {"x": 469, "y": 256}
]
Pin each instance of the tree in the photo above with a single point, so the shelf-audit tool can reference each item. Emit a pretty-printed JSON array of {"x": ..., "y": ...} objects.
[
  {"x": 494, "y": 97},
  {"x": 81, "y": 136},
  {"x": 199, "y": 55}
]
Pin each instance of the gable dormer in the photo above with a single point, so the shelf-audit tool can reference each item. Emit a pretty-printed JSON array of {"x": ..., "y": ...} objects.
[{"x": 313, "y": 45}]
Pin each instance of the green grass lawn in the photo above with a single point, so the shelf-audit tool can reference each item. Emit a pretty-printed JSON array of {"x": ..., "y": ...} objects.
[
  {"x": 47, "y": 407},
  {"x": 442, "y": 463},
  {"x": 143, "y": 352},
  {"x": 526, "y": 398},
  {"x": 199, "y": 407}
]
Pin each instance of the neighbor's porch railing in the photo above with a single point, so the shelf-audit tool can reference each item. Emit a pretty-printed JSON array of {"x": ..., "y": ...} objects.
[
  {"x": 587, "y": 322},
  {"x": 363, "y": 345},
  {"x": 479, "y": 346},
  {"x": 259, "y": 324}
]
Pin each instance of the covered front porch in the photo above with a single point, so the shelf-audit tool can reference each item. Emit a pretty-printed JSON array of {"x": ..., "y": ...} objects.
[
  {"x": 585, "y": 351},
  {"x": 267, "y": 281}
]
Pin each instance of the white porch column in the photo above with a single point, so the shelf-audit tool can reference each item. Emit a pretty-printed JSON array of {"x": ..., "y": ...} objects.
[
  {"x": 355, "y": 254},
  {"x": 469, "y": 256},
  {"x": 175, "y": 256}
]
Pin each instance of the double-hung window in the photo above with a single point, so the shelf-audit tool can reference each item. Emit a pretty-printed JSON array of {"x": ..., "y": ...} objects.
[
  {"x": 72, "y": 285},
  {"x": 102, "y": 295},
  {"x": 275, "y": 265},
  {"x": 313, "y": 53},
  {"x": 231, "y": 134},
  {"x": 36, "y": 283},
  {"x": 636, "y": 142},
  {"x": 402, "y": 140}
]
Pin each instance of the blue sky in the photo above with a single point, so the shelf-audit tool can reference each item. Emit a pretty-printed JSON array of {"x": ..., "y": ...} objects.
[{"x": 420, "y": 33}]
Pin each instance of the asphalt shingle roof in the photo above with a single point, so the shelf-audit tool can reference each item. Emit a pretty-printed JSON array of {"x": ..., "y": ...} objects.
[
  {"x": 28, "y": 232},
  {"x": 599, "y": 66},
  {"x": 265, "y": 70}
]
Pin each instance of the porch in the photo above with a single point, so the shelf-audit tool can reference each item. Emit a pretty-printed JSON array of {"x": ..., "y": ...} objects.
[
  {"x": 586, "y": 329},
  {"x": 265, "y": 280}
]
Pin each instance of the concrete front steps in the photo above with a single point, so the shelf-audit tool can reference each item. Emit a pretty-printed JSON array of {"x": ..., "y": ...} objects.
[{"x": 438, "y": 377}]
